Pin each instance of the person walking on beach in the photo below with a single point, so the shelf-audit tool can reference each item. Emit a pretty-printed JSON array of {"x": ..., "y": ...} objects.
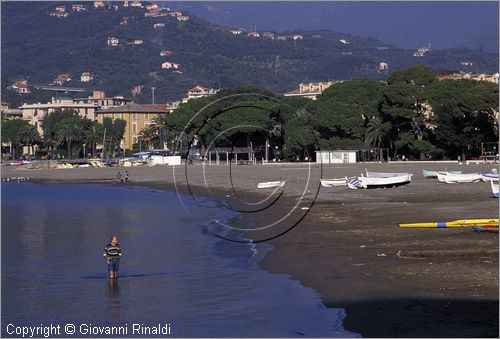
[
  {"x": 112, "y": 254},
  {"x": 119, "y": 176},
  {"x": 126, "y": 176}
]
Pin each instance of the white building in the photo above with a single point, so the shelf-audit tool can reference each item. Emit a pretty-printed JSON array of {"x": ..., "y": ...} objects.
[
  {"x": 86, "y": 77},
  {"x": 112, "y": 41},
  {"x": 199, "y": 92},
  {"x": 310, "y": 90},
  {"x": 336, "y": 157},
  {"x": 20, "y": 87},
  {"x": 170, "y": 65}
]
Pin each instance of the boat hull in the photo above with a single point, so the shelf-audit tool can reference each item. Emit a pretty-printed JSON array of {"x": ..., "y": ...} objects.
[
  {"x": 429, "y": 174},
  {"x": 451, "y": 178},
  {"x": 495, "y": 188},
  {"x": 387, "y": 182},
  {"x": 271, "y": 184}
]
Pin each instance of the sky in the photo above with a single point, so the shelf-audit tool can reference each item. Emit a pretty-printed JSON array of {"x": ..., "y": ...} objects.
[{"x": 408, "y": 24}]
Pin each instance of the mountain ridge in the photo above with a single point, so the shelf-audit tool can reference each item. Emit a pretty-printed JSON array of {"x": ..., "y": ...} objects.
[{"x": 208, "y": 54}]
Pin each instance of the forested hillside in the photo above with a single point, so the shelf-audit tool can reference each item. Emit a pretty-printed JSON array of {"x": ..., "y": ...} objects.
[{"x": 37, "y": 46}]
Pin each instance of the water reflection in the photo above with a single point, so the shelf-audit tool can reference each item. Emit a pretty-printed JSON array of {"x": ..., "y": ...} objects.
[{"x": 114, "y": 297}]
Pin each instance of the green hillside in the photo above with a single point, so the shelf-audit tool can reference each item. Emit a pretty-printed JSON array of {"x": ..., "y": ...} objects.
[{"x": 38, "y": 47}]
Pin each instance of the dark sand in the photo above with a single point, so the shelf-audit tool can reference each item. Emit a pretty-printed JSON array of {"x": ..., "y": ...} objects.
[{"x": 392, "y": 282}]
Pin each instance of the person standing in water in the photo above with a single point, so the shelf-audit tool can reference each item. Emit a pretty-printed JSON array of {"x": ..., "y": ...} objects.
[{"x": 112, "y": 254}]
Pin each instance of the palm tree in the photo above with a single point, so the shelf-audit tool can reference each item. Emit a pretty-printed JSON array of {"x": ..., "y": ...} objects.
[
  {"x": 93, "y": 136},
  {"x": 159, "y": 127},
  {"x": 28, "y": 136},
  {"x": 147, "y": 136},
  {"x": 375, "y": 133},
  {"x": 68, "y": 135}
]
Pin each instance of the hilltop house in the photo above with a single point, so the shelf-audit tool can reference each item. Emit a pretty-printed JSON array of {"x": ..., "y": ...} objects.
[
  {"x": 268, "y": 35},
  {"x": 159, "y": 25},
  {"x": 137, "y": 90},
  {"x": 237, "y": 31},
  {"x": 86, "y": 77},
  {"x": 137, "y": 4},
  {"x": 382, "y": 66},
  {"x": 112, "y": 41},
  {"x": 170, "y": 65},
  {"x": 199, "y": 92},
  {"x": 151, "y": 6},
  {"x": 310, "y": 90},
  {"x": 20, "y": 87},
  {"x": 78, "y": 8},
  {"x": 345, "y": 41},
  {"x": 59, "y": 14},
  {"x": 253, "y": 35},
  {"x": 61, "y": 79},
  {"x": 493, "y": 78},
  {"x": 282, "y": 37},
  {"x": 166, "y": 52},
  {"x": 136, "y": 42},
  {"x": 61, "y": 8},
  {"x": 99, "y": 4},
  {"x": 155, "y": 13},
  {"x": 182, "y": 18},
  {"x": 297, "y": 37},
  {"x": 422, "y": 51},
  {"x": 175, "y": 13}
]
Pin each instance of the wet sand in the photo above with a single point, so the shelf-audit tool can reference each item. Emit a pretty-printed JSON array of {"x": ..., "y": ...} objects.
[{"x": 392, "y": 282}]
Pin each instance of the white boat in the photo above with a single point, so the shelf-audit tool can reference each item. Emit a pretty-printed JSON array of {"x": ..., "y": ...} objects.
[
  {"x": 271, "y": 184},
  {"x": 335, "y": 182},
  {"x": 371, "y": 182},
  {"x": 451, "y": 178},
  {"x": 383, "y": 174},
  {"x": 495, "y": 187},
  {"x": 490, "y": 177},
  {"x": 441, "y": 175}
]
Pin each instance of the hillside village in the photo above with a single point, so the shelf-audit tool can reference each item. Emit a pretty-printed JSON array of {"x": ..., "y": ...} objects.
[
  {"x": 172, "y": 64},
  {"x": 140, "y": 104}
]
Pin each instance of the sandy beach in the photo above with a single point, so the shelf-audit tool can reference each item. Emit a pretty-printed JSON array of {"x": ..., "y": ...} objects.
[{"x": 346, "y": 244}]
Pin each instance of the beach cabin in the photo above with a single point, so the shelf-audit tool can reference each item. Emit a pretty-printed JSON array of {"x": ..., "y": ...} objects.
[{"x": 336, "y": 157}]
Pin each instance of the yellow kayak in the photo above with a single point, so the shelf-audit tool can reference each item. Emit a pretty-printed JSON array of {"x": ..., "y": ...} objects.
[{"x": 456, "y": 223}]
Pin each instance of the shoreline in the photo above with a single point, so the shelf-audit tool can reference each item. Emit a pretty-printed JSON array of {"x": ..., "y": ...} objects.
[{"x": 391, "y": 282}]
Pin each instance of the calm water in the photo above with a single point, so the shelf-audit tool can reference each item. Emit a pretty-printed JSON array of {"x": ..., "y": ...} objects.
[{"x": 172, "y": 272}]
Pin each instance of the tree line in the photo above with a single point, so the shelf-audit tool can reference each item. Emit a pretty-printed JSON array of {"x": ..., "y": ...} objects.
[{"x": 411, "y": 114}]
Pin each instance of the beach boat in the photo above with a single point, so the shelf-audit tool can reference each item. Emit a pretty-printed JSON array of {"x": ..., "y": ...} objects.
[
  {"x": 457, "y": 223},
  {"x": 335, "y": 182},
  {"x": 271, "y": 184},
  {"x": 429, "y": 173},
  {"x": 494, "y": 188},
  {"x": 383, "y": 174},
  {"x": 490, "y": 177},
  {"x": 375, "y": 182},
  {"x": 441, "y": 175},
  {"x": 354, "y": 183},
  {"x": 452, "y": 178}
]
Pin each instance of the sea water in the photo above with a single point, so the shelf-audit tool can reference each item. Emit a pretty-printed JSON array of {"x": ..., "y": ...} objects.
[{"x": 173, "y": 274}]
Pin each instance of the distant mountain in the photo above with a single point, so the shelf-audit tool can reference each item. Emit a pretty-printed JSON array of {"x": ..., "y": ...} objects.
[
  {"x": 407, "y": 24},
  {"x": 41, "y": 40}
]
